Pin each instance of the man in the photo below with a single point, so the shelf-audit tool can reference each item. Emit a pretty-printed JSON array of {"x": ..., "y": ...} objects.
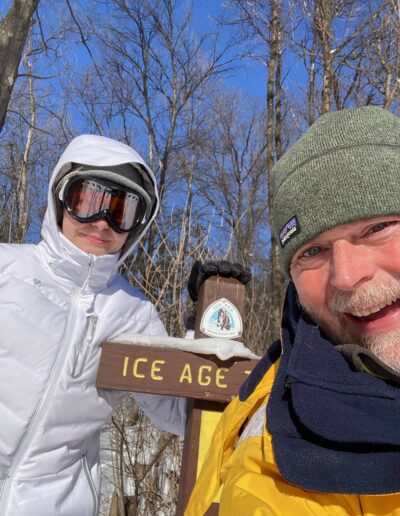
[
  {"x": 315, "y": 429},
  {"x": 59, "y": 301}
]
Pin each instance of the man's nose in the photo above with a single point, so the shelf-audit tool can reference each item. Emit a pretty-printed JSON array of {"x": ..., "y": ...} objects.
[{"x": 351, "y": 265}]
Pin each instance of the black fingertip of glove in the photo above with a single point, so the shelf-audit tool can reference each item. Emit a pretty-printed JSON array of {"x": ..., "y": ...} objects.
[
  {"x": 225, "y": 268},
  {"x": 245, "y": 276},
  {"x": 190, "y": 319},
  {"x": 193, "y": 281},
  {"x": 210, "y": 268},
  {"x": 237, "y": 269}
]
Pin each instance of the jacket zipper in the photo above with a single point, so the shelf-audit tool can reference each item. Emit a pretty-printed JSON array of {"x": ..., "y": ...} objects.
[
  {"x": 40, "y": 409},
  {"x": 85, "y": 467},
  {"x": 90, "y": 267},
  {"x": 85, "y": 347}
]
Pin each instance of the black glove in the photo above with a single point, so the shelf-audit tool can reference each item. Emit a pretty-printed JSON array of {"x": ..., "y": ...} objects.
[
  {"x": 201, "y": 271},
  {"x": 189, "y": 318}
]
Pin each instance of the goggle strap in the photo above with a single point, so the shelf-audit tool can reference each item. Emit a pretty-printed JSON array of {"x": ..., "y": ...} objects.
[{"x": 64, "y": 183}]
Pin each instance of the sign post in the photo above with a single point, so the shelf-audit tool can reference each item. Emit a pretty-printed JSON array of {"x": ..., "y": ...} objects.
[
  {"x": 208, "y": 382},
  {"x": 220, "y": 308}
]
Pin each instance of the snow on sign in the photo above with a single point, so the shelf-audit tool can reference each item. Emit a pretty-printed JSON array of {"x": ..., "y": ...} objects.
[{"x": 222, "y": 319}]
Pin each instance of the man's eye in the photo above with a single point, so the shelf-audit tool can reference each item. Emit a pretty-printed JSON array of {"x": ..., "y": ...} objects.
[
  {"x": 379, "y": 227},
  {"x": 312, "y": 251}
]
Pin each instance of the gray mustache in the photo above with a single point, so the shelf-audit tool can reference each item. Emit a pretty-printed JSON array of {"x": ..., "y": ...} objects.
[{"x": 368, "y": 297}]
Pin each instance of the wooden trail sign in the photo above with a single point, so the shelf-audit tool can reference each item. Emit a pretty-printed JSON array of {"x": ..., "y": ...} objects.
[
  {"x": 128, "y": 367},
  {"x": 203, "y": 416},
  {"x": 208, "y": 382}
]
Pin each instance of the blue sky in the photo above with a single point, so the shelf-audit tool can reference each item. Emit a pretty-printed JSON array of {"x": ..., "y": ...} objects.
[{"x": 250, "y": 78}]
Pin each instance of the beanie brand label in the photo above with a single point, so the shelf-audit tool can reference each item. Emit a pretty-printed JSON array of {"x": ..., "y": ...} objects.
[{"x": 289, "y": 230}]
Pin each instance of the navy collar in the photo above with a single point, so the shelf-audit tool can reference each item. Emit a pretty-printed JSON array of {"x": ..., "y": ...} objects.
[{"x": 334, "y": 429}]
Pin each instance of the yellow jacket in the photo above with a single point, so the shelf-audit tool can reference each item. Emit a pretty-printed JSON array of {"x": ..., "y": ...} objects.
[{"x": 251, "y": 482}]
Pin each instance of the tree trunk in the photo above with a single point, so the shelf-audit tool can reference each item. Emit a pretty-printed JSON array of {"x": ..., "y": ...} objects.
[
  {"x": 14, "y": 30},
  {"x": 274, "y": 147},
  {"x": 323, "y": 26},
  {"x": 22, "y": 190}
]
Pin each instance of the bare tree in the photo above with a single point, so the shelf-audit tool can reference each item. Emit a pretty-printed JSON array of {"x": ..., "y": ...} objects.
[
  {"x": 141, "y": 466},
  {"x": 381, "y": 57},
  {"x": 262, "y": 20},
  {"x": 231, "y": 177},
  {"x": 14, "y": 28},
  {"x": 153, "y": 68},
  {"x": 346, "y": 48}
]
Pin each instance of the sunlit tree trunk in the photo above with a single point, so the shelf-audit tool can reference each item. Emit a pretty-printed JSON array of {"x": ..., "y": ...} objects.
[
  {"x": 274, "y": 151},
  {"x": 14, "y": 28}
]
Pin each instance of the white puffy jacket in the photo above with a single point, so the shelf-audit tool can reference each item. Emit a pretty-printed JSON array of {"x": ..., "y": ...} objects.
[{"x": 57, "y": 305}]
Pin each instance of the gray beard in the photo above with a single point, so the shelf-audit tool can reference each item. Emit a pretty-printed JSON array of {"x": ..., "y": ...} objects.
[
  {"x": 366, "y": 298},
  {"x": 385, "y": 346}
]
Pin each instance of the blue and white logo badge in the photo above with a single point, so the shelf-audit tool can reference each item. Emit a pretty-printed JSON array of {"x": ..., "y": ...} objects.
[
  {"x": 222, "y": 319},
  {"x": 289, "y": 230}
]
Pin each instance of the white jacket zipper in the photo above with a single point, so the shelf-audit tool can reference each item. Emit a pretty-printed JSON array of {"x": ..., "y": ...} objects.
[
  {"x": 40, "y": 409},
  {"x": 85, "y": 467},
  {"x": 85, "y": 347}
]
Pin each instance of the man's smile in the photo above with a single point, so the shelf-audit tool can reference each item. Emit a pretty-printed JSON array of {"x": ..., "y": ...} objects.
[{"x": 376, "y": 319}]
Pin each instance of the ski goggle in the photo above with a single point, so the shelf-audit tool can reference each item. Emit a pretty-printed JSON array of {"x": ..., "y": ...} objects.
[{"x": 90, "y": 199}]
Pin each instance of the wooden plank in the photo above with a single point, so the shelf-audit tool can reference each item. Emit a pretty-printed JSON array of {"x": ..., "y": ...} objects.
[
  {"x": 130, "y": 367},
  {"x": 191, "y": 452}
]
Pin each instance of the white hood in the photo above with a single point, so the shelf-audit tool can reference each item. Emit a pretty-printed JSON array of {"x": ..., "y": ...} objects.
[{"x": 98, "y": 151}]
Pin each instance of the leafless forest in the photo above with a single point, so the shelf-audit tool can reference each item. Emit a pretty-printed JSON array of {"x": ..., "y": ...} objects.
[{"x": 171, "y": 78}]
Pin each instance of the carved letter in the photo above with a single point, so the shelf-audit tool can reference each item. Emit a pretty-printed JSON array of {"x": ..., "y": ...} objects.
[
  {"x": 204, "y": 380},
  {"x": 220, "y": 376},
  {"x": 186, "y": 374},
  {"x": 135, "y": 367},
  {"x": 155, "y": 369},
  {"x": 124, "y": 369}
]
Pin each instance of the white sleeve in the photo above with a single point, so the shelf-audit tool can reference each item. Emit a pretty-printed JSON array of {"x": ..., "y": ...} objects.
[{"x": 166, "y": 412}]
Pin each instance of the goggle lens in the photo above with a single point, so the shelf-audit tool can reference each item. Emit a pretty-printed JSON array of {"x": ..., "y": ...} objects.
[{"x": 88, "y": 200}]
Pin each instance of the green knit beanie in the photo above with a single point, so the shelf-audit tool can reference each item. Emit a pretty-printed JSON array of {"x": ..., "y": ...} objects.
[{"x": 346, "y": 167}]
